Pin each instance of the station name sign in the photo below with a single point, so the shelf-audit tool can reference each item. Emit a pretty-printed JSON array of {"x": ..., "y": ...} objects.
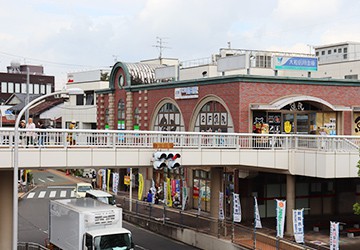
[
  {"x": 186, "y": 93},
  {"x": 295, "y": 63}
]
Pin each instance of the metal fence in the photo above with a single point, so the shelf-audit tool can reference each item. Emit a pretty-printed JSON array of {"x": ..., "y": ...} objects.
[
  {"x": 203, "y": 223},
  {"x": 145, "y": 139},
  {"x": 30, "y": 246}
]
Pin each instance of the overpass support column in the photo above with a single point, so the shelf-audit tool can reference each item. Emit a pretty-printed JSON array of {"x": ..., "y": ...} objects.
[
  {"x": 6, "y": 208},
  {"x": 290, "y": 203},
  {"x": 216, "y": 187}
]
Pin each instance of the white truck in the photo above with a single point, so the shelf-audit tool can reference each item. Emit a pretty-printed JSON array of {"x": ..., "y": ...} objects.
[{"x": 87, "y": 224}]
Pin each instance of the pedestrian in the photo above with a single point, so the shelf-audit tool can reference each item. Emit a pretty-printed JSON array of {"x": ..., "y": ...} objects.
[
  {"x": 30, "y": 135},
  {"x": 22, "y": 136},
  {"x": 40, "y": 125},
  {"x": 93, "y": 180},
  {"x": 149, "y": 196}
]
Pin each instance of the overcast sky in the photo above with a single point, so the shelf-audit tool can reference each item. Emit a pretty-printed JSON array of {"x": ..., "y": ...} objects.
[{"x": 67, "y": 36}]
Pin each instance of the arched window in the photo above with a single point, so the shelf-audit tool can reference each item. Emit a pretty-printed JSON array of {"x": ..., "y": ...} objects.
[
  {"x": 121, "y": 110},
  {"x": 168, "y": 119},
  {"x": 213, "y": 117}
]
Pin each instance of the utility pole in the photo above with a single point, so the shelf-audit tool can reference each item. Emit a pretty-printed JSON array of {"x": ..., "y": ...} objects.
[{"x": 160, "y": 46}]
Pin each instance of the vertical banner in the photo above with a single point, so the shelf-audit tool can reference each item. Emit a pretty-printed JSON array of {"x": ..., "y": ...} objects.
[
  {"x": 199, "y": 201},
  {"x": 221, "y": 206},
  {"x": 184, "y": 196},
  {"x": 153, "y": 191},
  {"x": 168, "y": 192},
  {"x": 298, "y": 225},
  {"x": 141, "y": 187},
  {"x": 236, "y": 208},
  {"x": 165, "y": 193},
  {"x": 115, "y": 182},
  {"x": 280, "y": 217},
  {"x": 257, "y": 214},
  {"x": 103, "y": 171},
  {"x": 334, "y": 235},
  {"x": 108, "y": 180}
]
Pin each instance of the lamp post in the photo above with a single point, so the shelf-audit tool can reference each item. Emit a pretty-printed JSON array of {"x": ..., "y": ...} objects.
[{"x": 72, "y": 91}]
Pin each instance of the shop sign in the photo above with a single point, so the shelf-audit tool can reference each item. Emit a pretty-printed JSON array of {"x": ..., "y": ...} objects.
[
  {"x": 127, "y": 180},
  {"x": 287, "y": 127},
  {"x": 295, "y": 63},
  {"x": 236, "y": 208},
  {"x": 186, "y": 93},
  {"x": 334, "y": 235},
  {"x": 298, "y": 225}
]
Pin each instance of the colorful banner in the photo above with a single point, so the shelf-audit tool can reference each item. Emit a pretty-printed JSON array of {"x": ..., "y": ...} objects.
[
  {"x": 115, "y": 182},
  {"x": 141, "y": 187},
  {"x": 298, "y": 225},
  {"x": 165, "y": 194},
  {"x": 184, "y": 195},
  {"x": 237, "y": 208},
  {"x": 103, "y": 174},
  {"x": 295, "y": 63},
  {"x": 169, "y": 197},
  {"x": 108, "y": 180},
  {"x": 221, "y": 206},
  {"x": 173, "y": 187},
  {"x": 280, "y": 217},
  {"x": 257, "y": 215},
  {"x": 334, "y": 235}
]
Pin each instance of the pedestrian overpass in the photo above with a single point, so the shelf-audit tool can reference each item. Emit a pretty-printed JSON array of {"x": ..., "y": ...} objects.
[{"x": 306, "y": 155}]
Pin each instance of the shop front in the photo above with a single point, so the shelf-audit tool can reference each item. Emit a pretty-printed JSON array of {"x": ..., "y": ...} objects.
[{"x": 297, "y": 117}]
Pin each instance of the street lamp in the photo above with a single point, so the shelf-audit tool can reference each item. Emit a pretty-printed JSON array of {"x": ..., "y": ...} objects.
[{"x": 72, "y": 91}]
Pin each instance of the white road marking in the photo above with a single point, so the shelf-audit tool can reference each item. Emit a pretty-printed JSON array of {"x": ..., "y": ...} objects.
[
  {"x": 42, "y": 194},
  {"x": 72, "y": 193},
  {"x": 31, "y": 195},
  {"x": 69, "y": 187},
  {"x": 63, "y": 193},
  {"x": 52, "y": 194},
  {"x": 50, "y": 179},
  {"x": 41, "y": 180}
]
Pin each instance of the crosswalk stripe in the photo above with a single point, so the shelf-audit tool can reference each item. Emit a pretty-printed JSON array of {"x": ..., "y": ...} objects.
[
  {"x": 63, "y": 193},
  {"x": 31, "y": 195},
  {"x": 72, "y": 193},
  {"x": 52, "y": 194},
  {"x": 42, "y": 194}
]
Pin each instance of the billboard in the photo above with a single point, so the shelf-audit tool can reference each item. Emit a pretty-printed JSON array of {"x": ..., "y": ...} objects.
[
  {"x": 295, "y": 63},
  {"x": 229, "y": 63}
]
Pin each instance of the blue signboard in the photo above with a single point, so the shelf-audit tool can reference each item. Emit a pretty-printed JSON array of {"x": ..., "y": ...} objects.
[{"x": 295, "y": 63}]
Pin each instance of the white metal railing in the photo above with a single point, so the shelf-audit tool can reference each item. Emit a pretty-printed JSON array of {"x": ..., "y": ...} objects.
[{"x": 145, "y": 139}]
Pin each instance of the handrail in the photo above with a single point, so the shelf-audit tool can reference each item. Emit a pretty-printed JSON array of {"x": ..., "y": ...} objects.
[{"x": 145, "y": 139}]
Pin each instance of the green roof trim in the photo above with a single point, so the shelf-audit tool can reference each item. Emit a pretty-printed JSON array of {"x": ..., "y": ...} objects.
[
  {"x": 114, "y": 71},
  {"x": 246, "y": 78}
]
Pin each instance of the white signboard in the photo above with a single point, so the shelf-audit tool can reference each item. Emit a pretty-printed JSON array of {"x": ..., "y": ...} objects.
[
  {"x": 115, "y": 182},
  {"x": 334, "y": 235},
  {"x": 298, "y": 225},
  {"x": 257, "y": 215},
  {"x": 237, "y": 208},
  {"x": 186, "y": 93},
  {"x": 229, "y": 63},
  {"x": 221, "y": 206}
]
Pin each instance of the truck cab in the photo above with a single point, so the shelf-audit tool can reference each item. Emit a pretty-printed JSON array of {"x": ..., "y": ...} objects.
[
  {"x": 101, "y": 240},
  {"x": 81, "y": 189}
]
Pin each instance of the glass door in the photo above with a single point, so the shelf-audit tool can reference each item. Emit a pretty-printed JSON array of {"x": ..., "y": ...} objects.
[{"x": 302, "y": 124}]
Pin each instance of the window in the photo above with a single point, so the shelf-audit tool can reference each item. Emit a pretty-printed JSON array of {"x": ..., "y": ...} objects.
[
  {"x": 89, "y": 97},
  {"x": 329, "y": 51},
  {"x": 31, "y": 88},
  {"x": 17, "y": 88},
  {"x": 48, "y": 88},
  {"x": 213, "y": 117},
  {"x": 23, "y": 88},
  {"x": 121, "y": 110},
  {"x": 168, "y": 119},
  {"x": 10, "y": 87},
  {"x": 79, "y": 100},
  {"x": 42, "y": 89},
  {"x": 323, "y": 52},
  {"x": 136, "y": 116},
  {"x": 345, "y": 56},
  {"x": 353, "y": 77},
  {"x": 4, "y": 87},
  {"x": 334, "y": 50},
  {"x": 345, "y": 50},
  {"x": 36, "y": 89},
  {"x": 317, "y": 53},
  {"x": 339, "y": 50},
  {"x": 263, "y": 61}
]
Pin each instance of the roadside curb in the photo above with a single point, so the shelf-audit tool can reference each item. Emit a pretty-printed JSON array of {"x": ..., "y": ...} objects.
[{"x": 26, "y": 193}]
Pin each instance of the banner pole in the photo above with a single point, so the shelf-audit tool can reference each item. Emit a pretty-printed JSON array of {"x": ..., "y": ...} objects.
[{"x": 254, "y": 225}]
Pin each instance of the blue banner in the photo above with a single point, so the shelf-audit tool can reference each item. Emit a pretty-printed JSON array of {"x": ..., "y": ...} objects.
[{"x": 295, "y": 63}]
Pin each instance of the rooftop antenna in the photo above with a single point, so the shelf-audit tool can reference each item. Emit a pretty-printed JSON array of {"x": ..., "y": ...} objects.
[{"x": 160, "y": 46}]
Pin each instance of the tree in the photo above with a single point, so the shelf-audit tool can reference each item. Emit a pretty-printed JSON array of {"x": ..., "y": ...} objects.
[{"x": 356, "y": 206}]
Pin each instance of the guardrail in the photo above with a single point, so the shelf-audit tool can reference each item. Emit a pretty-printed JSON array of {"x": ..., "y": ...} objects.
[{"x": 201, "y": 140}]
